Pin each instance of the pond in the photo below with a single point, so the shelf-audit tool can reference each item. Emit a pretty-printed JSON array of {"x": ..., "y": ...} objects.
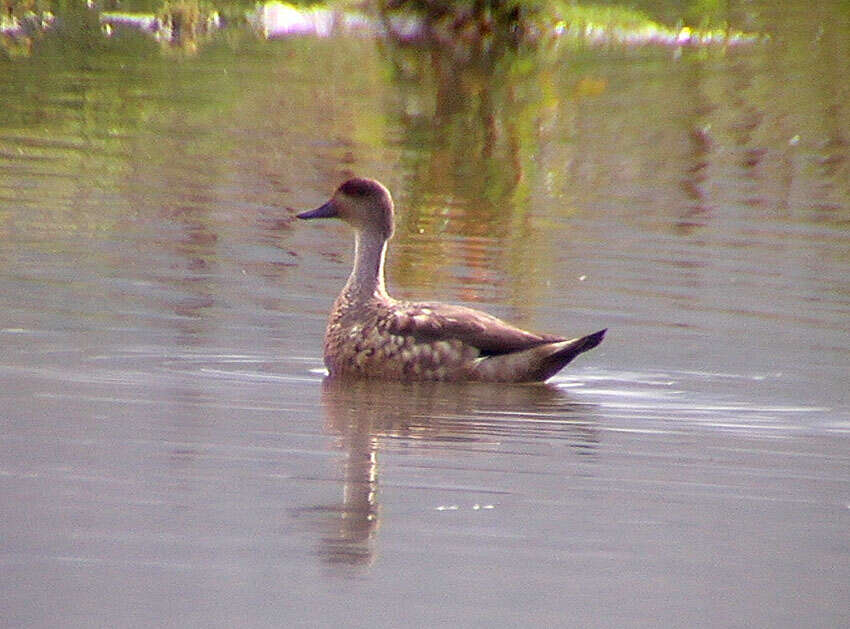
[{"x": 173, "y": 455}]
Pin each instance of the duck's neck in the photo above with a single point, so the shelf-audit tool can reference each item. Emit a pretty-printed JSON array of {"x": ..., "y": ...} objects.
[{"x": 367, "y": 277}]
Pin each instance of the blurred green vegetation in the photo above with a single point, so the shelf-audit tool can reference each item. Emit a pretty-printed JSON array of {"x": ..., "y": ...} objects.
[
  {"x": 19, "y": 8},
  {"x": 525, "y": 20},
  {"x": 504, "y": 18},
  {"x": 467, "y": 29}
]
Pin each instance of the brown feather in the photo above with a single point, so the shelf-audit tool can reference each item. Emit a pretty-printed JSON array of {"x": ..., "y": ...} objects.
[{"x": 491, "y": 335}]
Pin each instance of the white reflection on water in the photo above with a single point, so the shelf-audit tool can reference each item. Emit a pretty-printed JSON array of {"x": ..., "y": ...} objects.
[{"x": 681, "y": 400}]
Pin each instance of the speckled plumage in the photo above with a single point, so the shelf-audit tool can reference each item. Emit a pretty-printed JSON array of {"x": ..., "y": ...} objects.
[
  {"x": 372, "y": 335},
  {"x": 366, "y": 340}
]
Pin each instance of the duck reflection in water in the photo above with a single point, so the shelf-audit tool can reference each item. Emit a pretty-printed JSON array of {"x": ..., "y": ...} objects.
[{"x": 367, "y": 416}]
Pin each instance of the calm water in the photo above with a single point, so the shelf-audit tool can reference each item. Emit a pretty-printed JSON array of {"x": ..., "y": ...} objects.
[{"x": 171, "y": 455}]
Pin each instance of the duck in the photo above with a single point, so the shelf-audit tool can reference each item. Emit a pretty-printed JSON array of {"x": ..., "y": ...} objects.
[{"x": 370, "y": 334}]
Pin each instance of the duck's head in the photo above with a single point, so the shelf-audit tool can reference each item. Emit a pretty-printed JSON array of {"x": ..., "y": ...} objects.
[{"x": 364, "y": 204}]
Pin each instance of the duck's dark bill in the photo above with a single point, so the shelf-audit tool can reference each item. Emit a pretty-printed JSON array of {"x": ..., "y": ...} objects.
[{"x": 328, "y": 210}]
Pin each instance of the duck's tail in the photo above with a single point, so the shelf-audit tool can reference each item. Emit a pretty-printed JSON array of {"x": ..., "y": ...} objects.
[
  {"x": 537, "y": 363},
  {"x": 562, "y": 353}
]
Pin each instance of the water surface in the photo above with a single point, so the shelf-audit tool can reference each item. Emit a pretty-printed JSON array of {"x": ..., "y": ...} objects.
[{"x": 172, "y": 456}]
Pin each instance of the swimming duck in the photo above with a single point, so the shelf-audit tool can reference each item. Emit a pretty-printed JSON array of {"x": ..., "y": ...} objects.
[{"x": 371, "y": 335}]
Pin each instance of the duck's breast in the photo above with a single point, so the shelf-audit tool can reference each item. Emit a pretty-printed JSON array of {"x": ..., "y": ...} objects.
[{"x": 364, "y": 346}]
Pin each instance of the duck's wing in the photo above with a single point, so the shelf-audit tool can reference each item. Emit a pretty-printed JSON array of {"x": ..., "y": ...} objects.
[{"x": 441, "y": 322}]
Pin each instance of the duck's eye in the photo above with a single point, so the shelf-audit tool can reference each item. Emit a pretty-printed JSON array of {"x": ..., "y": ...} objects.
[{"x": 357, "y": 188}]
